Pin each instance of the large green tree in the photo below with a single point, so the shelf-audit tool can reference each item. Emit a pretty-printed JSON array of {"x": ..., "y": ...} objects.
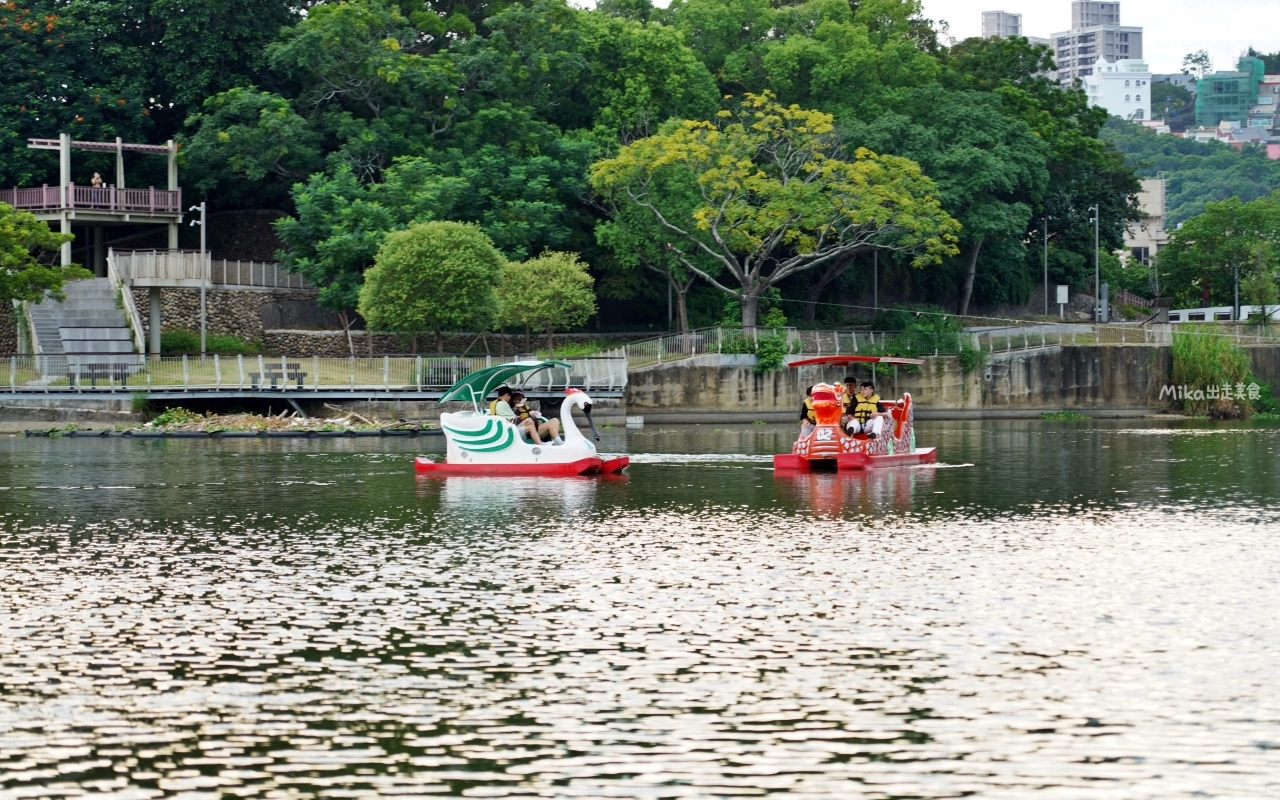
[
  {"x": 778, "y": 196},
  {"x": 435, "y": 276},
  {"x": 550, "y": 292},
  {"x": 1204, "y": 256}
]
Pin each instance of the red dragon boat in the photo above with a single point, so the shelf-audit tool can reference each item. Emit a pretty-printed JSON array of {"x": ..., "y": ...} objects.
[{"x": 829, "y": 447}]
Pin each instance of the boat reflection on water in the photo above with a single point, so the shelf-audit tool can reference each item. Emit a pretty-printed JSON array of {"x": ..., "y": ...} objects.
[
  {"x": 871, "y": 491},
  {"x": 471, "y": 493}
]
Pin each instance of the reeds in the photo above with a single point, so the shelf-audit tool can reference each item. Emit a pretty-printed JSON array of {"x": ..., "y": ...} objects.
[{"x": 1205, "y": 364}]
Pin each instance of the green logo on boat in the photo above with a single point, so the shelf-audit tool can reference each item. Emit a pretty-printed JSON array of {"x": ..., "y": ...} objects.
[{"x": 495, "y": 435}]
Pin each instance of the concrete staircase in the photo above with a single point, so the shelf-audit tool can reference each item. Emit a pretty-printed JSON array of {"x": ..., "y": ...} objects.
[{"x": 88, "y": 331}]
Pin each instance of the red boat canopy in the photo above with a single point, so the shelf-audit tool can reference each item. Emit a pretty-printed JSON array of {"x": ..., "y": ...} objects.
[{"x": 837, "y": 360}]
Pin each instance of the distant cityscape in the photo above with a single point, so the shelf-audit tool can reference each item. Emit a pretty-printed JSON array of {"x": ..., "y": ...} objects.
[{"x": 1237, "y": 107}]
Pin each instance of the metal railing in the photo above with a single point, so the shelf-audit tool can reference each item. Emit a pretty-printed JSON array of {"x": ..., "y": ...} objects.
[
  {"x": 267, "y": 274},
  {"x": 184, "y": 265},
  {"x": 126, "y": 298},
  {"x": 99, "y": 198},
  {"x": 115, "y": 373},
  {"x": 170, "y": 265},
  {"x": 918, "y": 343}
]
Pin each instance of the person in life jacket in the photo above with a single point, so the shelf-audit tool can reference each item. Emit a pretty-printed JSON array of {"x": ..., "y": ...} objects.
[
  {"x": 808, "y": 419},
  {"x": 866, "y": 415},
  {"x": 847, "y": 393},
  {"x": 504, "y": 399},
  {"x": 541, "y": 427}
]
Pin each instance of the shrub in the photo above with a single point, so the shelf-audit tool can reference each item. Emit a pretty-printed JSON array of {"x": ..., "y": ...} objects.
[
  {"x": 771, "y": 353},
  {"x": 1204, "y": 361},
  {"x": 179, "y": 341},
  {"x": 436, "y": 276}
]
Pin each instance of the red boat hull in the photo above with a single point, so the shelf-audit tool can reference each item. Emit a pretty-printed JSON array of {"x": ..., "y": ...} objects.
[
  {"x": 583, "y": 466},
  {"x": 846, "y": 461}
]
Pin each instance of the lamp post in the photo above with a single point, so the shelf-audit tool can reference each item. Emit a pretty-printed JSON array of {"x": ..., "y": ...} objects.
[
  {"x": 203, "y": 281},
  {"x": 1046, "y": 264},
  {"x": 1097, "y": 267}
]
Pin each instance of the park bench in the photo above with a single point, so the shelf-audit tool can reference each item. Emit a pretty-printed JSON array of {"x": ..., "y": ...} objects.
[
  {"x": 95, "y": 372},
  {"x": 278, "y": 373}
]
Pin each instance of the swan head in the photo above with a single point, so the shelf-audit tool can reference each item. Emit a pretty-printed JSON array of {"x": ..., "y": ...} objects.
[{"x": 579, "y": 398}]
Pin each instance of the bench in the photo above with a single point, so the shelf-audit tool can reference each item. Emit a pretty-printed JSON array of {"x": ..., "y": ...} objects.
[
  {"x": 278, "y": 373},
  {"x": 94, "y": 372}
]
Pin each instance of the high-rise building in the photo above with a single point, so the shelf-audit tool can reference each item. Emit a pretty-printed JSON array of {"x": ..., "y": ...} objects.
[
  {"x": 1089, "y": 13},
  {"x": 1000, "y": 24},
  {"x": 1095, "y": 33}
]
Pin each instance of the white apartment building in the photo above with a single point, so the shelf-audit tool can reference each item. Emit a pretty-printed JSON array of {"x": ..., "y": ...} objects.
[
  {"x": 1095, "y": 33},
  {"x": 1123, "y": 88},
  {"x": 1000, "y": 24}
]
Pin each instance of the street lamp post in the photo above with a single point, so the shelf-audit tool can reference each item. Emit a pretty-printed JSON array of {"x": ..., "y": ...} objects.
[
  {"x": 1097, "y": 268},
  {"x": 1046, "y": 265},
  {"x": 203, "y": 278}
]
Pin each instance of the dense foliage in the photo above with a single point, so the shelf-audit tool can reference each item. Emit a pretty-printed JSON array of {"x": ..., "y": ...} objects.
[
  {"x": 1196, "y": 173},
  {"x": 28, "y": 258},
  {"x": 1230, "y": 239},
  {"x": 434, "y": 276},
  {"x": 360, "y": 118}
]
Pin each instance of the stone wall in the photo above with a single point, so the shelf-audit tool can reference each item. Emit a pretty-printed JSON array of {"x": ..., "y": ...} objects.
[
  {"x": 1050, "y": 378},
  {"x": 237, "y": 312},
  {"x": 333, "y": 344},
  {"x": 8, "y": 329}
]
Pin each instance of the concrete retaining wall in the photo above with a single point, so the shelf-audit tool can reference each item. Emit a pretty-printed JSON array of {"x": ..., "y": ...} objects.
[{"x": 1051, "y": 378}]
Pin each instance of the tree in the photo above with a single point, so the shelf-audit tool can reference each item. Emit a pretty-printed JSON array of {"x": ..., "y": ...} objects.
[
  {"x": 1196, "y": 173},
  {"x": 551, "y": 291},
  {"x": 252, "y": 135},
  {"x": 28, "y": 255},
  {"x": 1270, "y": 61},
  {"x": 1203, "y": 257},
  {"x": 638, "y": 241},
  {"x": 990, "y": 168},
  {"x": 1198, "y": 63},
  {"x": 1175, "y": 103},
  {"x": 433, "y": 277},
  {"x": 777, "y": 197}
]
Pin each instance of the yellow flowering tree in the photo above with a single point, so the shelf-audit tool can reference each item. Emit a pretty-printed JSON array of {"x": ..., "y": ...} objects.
[{"x": 778, "y": 195}]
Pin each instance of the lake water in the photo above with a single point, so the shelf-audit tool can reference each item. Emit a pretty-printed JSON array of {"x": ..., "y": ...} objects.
[{"x": 1085, "y": 610}]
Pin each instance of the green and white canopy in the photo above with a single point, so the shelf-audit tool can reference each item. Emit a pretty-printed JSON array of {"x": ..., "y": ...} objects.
[{"x": 476, "y": 387}]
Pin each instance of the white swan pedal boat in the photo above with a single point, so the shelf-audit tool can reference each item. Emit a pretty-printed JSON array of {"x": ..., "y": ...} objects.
[
  {"x": 829, "y": 447},
  {"x": 479, "y": 443}
]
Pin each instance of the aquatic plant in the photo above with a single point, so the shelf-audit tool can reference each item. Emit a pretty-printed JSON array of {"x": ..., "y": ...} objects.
[{"x": 1203, "y": 362}]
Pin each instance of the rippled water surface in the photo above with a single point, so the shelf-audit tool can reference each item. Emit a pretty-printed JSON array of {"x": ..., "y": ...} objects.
[{"x": 1084, "y": 609}]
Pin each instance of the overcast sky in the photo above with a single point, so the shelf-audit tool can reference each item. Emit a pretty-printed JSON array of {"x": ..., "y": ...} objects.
[{"x": 1171, "y": 28}]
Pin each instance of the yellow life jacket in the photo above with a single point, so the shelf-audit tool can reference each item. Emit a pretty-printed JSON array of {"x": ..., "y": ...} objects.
[
  {"x": 808, "y": 411},
  {"x": 865, "y": 407},
  {"x": 493, "y": 408},
  {"x": 522, "y": 411}
]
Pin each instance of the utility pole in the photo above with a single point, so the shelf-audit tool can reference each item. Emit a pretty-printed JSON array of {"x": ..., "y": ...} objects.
[
  {"x": 1046, "y": 265},
  {"x": 203, "y": 277},
  {"x": 1097, "y": 268},
  {"x": 875, "y": 280}
]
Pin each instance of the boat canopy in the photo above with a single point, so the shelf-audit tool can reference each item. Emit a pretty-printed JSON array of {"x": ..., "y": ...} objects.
[
  {"x": 838, "y": 360},
  {"x": 476, "y": 387}
]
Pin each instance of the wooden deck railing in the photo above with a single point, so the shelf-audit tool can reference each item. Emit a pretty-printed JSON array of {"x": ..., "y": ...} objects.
[{"x": 95, "y": 198}]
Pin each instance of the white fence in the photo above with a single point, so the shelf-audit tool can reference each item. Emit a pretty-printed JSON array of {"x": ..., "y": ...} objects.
[{"x": 308, "y": 373}]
